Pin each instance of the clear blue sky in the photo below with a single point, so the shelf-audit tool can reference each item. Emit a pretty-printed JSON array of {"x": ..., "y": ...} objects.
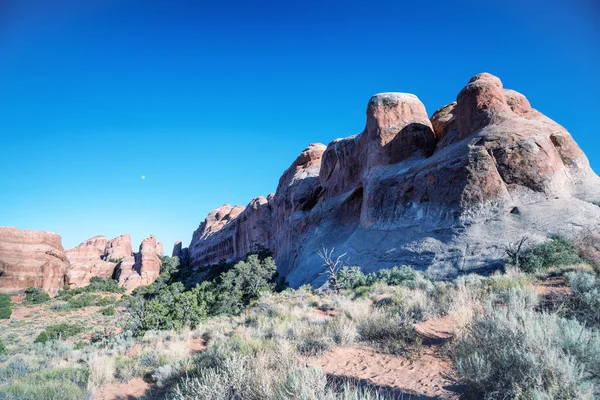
[{"x": 211, "y": 101}]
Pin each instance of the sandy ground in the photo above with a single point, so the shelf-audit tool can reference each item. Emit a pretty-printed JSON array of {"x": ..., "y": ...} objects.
[
  {"x": 137, "y": 388},
  {"x": 556, "y": 285},
  {"x": 428, "y": 374},
  {"x": 134, "y": 389}
]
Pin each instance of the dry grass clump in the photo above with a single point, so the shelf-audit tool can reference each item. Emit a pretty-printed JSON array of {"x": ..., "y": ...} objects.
[{"x": 512, "y": 351}]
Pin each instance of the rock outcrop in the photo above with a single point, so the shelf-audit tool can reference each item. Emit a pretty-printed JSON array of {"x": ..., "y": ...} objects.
[
  {"x": 118, "y": 248},
  {"x": 37, "y": 259},
  {"x": 446, "y": 194},
  {"x": 31, "y": 259},
  {"x": 141, "y": 269},
  {"x": 88, "y": 260}
]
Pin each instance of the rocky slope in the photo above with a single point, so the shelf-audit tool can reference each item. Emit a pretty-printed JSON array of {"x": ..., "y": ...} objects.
[
  {"x": 37, "y": 259},
  {"x": 445, "y": 194}
]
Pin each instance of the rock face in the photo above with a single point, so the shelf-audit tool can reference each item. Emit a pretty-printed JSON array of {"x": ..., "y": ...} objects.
[
  {"x": 87, "y": 261},
  {"x": 446, "y": 194},
  {"x": 31, "y": 259},
  {"x": 141, "y": 269},
  {"x": 37, "y": 259},
  {"x": 118, "y": 248}
]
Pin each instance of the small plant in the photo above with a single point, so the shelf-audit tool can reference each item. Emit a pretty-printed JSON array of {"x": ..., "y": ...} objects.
[
  {"x": 58, "y": 332},
  {"x": 5, "y": 306},
  {"x": 388, "y": 332},
  {"x": 35, "y": 296},
  {"x": 108, "y": 311},
  {"x": 557, "y": 252},
  {"x": 3, "y": 350},
  {"x": 79, "y": 345},
  {"x": 83, "y": 300}
]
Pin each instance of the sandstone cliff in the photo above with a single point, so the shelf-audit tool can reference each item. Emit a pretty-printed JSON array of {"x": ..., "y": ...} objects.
[
  {"x": 31, "y": 259},
  {"x": 445, "y": 194},
  {"x": 37, "y": 259}
]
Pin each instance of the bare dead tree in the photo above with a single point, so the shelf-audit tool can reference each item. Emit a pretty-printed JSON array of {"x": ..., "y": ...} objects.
[
  {"x": 332, "y": 266},
  {"x": 514, "y": 250}
]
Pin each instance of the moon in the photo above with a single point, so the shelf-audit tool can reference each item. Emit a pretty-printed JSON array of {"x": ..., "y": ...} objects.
[{"x": 143, "y": 177}]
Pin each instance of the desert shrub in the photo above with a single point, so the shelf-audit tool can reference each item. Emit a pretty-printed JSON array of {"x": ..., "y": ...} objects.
[
  {"x": 16, "y": 368},
  {"x": 105, "y": 301},
  {"x": 108, "y": 311},
  {"x": 108, "y": 285},
  {"x": 125, "y": 368},
  {"x": 556, "y": 252},
  {"x": 386, "y": 331},
  {"x": 395, "y": 276},
  {"x": 3, "y": 349},
  {"x": 243, "y": 283},
  {"x": 167, "y": 304},
  {"x": 101, "y": 370},
  {"x": 58, "y": 332},
  {"x": 35, "y": 296},
  {"x": 79, "y": 345},
  {"x": 5, "y": 306},
  {"x": 515, "y": 352},
  {"x": 171, "y": 307},
  {"x": 50, "y": 384},
  {"x": 82, "y": 301},
  {"x": 588, "y": 245},
  {"x": 314, "y": 345},
  {"x": 351, "y": 278},
  {"x": 43, "y": 337},
  {"x": 585, "y": 302}
]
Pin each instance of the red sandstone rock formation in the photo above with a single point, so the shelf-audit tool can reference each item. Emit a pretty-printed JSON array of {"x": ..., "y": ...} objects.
[
  {"x": 141, "y": 270},
  {"x": 118, "y": 248},
  {"x": 439, "y": 194},
  {"x": 31, "y": 259},
  {"x": 86, "y": 261}
]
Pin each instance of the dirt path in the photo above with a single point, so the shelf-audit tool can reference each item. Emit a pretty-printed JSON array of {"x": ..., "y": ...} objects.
[
  {"x": 134, "y": 389},
  {"x": 556, "y": 285},
  {"x": 429, "y": 374},
  {"x": 137, "y": 388}
]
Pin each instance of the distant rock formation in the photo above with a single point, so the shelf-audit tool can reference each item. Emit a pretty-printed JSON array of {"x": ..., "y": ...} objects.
[
  {"x": 446, "y": 194},
  {"x": 31, "y": 259},
  {"x": 37, "y": 259},
  {"x": 87, "y": 261},
  {"x": 141, "y": 269}
]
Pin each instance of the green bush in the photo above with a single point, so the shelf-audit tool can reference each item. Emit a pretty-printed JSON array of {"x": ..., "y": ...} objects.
[
  {"x": 79, "y": 345},
  {"x": 82, "y": 301},
  {"x": 396, "y": 276},
  {"x": 351, "y": 278},
  {"x": 557, "y": 252},
  {"x": 108, "y": 285},
  {"x": 168, "y": 305},
  {"x": 515, "y": 352},
  {"x": 5, "y": 306},
  {"x": 3, "y": 349},
  {"x": 57, "y": 332},
  {"x": 108, "y": 311},
  {"x": 243, "y": 283},
  {"x": 35, "y": 296}
]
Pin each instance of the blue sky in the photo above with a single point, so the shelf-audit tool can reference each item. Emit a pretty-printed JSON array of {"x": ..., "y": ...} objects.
[{"x": 212, "y": 101}]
